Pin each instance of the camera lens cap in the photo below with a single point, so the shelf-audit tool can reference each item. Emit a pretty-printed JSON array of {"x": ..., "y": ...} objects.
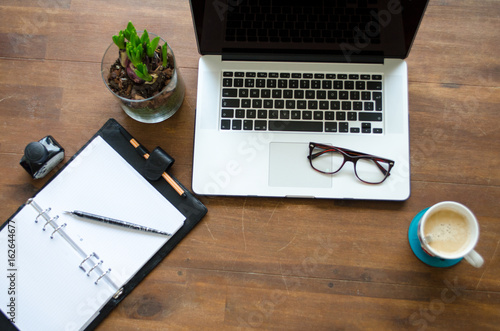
[{"x": 35, "y": 152}]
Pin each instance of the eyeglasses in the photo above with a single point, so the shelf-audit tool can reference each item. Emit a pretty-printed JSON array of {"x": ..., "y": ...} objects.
[{"x": 368, "y": 168}]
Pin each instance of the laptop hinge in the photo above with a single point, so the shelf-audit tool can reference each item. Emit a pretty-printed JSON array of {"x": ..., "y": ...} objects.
[{"x": 298, "y": 57}]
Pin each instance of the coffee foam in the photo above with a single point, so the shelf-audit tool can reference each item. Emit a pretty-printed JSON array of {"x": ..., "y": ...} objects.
[{"x": 447, "y": 232}]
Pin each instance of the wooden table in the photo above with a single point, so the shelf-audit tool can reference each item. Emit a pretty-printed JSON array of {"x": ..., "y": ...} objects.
[{"x": 277, "y": 263}]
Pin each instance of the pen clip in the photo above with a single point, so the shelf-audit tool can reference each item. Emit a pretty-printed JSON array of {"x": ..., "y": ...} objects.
[{"x": 157, "y": 163}]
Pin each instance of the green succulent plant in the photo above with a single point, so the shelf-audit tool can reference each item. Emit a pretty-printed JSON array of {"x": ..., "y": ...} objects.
[{"x": 138, "y": 53}]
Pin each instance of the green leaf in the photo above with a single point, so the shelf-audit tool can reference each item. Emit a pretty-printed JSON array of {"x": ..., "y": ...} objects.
[
  {"x": 119, "y": 40},
  {"x": 142, "y": 72},
  {"x": 135, "y": 53},
  {"x": 152, "y": 46},
  {"x": 145, "y": 38},
  {"x": 129, "y": 31},
  {"x": 164, "y": 54}
]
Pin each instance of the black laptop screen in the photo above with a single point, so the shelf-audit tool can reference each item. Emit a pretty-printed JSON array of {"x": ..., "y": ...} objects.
[{"x": 345, "y": 30}]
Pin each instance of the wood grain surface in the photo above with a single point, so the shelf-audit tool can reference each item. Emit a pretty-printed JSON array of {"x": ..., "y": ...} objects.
[{"x": 267, "y": 263}]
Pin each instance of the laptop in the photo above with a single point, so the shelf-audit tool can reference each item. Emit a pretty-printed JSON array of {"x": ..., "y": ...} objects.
[{"x": 275, "y": 76}]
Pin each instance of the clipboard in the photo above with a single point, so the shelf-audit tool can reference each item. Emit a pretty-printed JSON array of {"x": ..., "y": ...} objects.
[{"x": 184, "y": 210}]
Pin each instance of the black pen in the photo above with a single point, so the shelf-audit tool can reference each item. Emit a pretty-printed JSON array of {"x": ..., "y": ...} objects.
[{"x": 113, "y": 221}]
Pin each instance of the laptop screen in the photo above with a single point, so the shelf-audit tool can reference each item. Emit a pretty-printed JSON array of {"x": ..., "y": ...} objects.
[{"x": 314, "y": 30}]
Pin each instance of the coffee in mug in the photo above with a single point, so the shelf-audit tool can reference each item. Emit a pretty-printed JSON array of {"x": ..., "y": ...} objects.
[{"x": 449, "y": 230}]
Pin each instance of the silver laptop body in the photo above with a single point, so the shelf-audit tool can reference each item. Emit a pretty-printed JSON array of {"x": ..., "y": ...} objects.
[{"x": 237, "y": 153}]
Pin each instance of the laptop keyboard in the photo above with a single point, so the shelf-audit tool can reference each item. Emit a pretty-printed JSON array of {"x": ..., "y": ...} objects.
[{"x": 302, "y": 102}]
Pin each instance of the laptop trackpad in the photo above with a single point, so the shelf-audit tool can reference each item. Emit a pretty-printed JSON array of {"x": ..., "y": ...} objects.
[{"x": 289, "y": 167}]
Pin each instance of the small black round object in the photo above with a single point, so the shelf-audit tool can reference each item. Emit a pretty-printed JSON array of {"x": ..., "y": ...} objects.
[
  {"x": 40, "y": 157},
  {"x": 35, "y": 152}
]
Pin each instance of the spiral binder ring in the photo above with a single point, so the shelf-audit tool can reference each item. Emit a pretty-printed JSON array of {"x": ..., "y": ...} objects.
[
  {"x": 41, "y": 213},
  {"x": 58, "y": 228},
  {"x": 50, "y": 221},
  {"x": 90, "y": 260},
  {"x": 85, "y": 260},
  {"x": 102, "y": 275},
  {"x": 95, "y": 266}
]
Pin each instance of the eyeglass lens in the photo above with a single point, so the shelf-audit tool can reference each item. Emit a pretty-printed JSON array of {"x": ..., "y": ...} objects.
[{"x": 366, "y": 169}]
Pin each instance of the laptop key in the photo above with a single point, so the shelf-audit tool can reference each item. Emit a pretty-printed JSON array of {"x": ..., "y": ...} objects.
[
  {"x": 374, "y": 85},
  {"x": 236, "y": 125},
  {"x": 318, "y": 115},
  {"x": 247, "y": 125},
  {"x": 240, "y": 113},
  {"x": 243, "y": 92},
  {"x": 312, "y": 104},
  {"x": 260, "y": 125},
  {"x": 370, "y": 117},
  {"x": 357, "y": 105},
  {"x": 330, "y": 126},
  {"x": 256, "y": 103},
  {"x": 225, "y": 124},
  {"x": 229, "y": 92},
  {"x": 245, "y": 103},
  {"x": 303, "y": 126},
  {"x": 366, "y": 127},
  {"x": 227, "y": 113},
  {"x": 368, "y": 105},
  {"x": 324, "y": 105},
  {"x": 377, "y": 96},
  {"x": 290, "y": 104},
  {"x": 343, "y": 127},
  {"x": 238, "y": 82},
  {"x": 260, "y": 83},
  {"x": 230, "y": 103}
]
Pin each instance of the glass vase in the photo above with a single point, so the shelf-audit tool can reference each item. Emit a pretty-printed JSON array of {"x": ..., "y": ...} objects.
[{"x": 156, "y": 108}]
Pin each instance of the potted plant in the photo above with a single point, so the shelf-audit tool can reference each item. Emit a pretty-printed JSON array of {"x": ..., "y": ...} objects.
[{"x": 142, "y": 73}]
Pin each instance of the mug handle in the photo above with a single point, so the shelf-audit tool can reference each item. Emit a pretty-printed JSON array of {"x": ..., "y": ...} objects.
[{"x": 474, "y": 259}]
